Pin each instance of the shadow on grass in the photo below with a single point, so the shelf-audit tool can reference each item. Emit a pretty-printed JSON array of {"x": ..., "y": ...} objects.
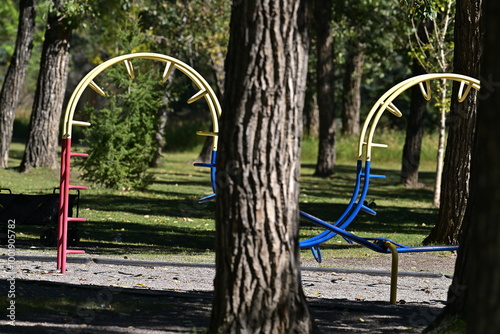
[
  {"x": 151, "y": 238},
  {"x": 175, "y": 205}
]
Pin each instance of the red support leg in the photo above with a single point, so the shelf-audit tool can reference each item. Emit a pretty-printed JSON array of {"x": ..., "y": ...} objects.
[{"x": 62, "y": 231}]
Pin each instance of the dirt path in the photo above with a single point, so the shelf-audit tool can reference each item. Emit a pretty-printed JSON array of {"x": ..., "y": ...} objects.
[{"x": 109, "y": 296}]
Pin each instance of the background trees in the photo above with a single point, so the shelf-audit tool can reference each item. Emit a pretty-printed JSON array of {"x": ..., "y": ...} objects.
[
  {"x": 462, "y": 123},
  {"x": 14, "y": 79},
  {"x": 41, "y": 148},
  {"x": 257, "y": 283},
  {"x": 410, "y": 160},
  {"x": 323, "y": 14}
]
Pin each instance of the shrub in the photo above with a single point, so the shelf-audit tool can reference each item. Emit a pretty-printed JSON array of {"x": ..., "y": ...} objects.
[{"x": 121, "y": 139}]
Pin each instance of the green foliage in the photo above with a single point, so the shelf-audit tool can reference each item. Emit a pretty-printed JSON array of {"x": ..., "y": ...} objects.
[
  {"x": 121, "y": 138},
  {"x": 422, "y": 9},
  {"x": 435, "y": 51},
  {"x": 74, "y": 12},
  {"x": 8, "y": 28},
  {"x": 347, "y": 149},
  {"x": 378, "y": 27}
]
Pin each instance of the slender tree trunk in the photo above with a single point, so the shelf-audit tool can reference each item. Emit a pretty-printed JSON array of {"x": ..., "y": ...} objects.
[
  {"x": 351, "y": 100},
  {"x": 441, "y": 144},
  {"x": 13, "y": 82},
  {"x": 206, "y": 150},
  {"x": 461, "y": 124},
  {"x": 257, "y": 282},
  {"x": 162, "y": 119},
  {"x": 311, "y": 111},
  {"x": 323, "y": 13},
  {"x": 312, "y": 114},
  {"x": 414, "y": 133},
  {"x": 41, "y": 148}
]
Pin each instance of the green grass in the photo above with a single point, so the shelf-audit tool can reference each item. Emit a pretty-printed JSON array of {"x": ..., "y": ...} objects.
[{"x": 165, "y": 222}]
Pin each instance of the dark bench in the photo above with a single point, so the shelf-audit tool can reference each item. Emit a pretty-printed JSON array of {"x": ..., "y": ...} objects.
[{"x": 39, "y": 210}]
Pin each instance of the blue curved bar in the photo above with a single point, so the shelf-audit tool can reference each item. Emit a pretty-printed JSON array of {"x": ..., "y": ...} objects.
[{"x": 350, "y": 212}]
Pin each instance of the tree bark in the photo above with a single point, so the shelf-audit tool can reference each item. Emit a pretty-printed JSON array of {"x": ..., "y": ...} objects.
[
  {"x": 323, "y": 13},
  {"x": 13, "y": 82},
  {"x": 473, "y": 295},
  {"x": 482, "y": 305},
  {"x": 351, "y": 99},
  {"x": 311, "y": 112},
  {"x": 41, "y": 147},
  {"x": 414, "y": 133},
  {"x": 257, "y": 281},
  {"x": 161, "y": 124},
  {"x": 462, "y": 120},
  {"x": 312, "y": 115}
]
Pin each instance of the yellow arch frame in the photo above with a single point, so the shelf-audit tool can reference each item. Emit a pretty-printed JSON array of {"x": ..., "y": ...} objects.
[
  {"x": 68, "y": 122},
  {"x": 385, "y": 103},
  {"x": 170, "y": 63}
]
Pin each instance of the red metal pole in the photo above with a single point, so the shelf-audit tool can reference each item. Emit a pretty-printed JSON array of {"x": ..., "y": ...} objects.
[{"x": 62, "y": 234}]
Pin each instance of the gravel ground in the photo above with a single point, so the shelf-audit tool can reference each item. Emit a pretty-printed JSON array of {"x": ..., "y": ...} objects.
[{"x": 351, "y": 297}]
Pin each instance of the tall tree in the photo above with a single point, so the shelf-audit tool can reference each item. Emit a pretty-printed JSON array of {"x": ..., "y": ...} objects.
[
  {"x": 415, "y": 126},
  {"x": 473, "y": 295},
  {"x": 323, "y": 15},
  {"x": 351, "y": 97},
  {"x": 311, "y": 112},
  {"x": 12, "y": 85},
  {"x": 367, "y": 37},
  {"x": 462, "y": 120},
  {"x": 257, "y": 281},
  {"x": 433, "y": 52},
  {"x": 41, "y": 147}
]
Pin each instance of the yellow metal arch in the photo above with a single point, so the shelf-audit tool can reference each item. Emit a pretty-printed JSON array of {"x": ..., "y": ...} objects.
[
  {"x": 384, "y": 103},
  {"x": 204, "y": 89}
]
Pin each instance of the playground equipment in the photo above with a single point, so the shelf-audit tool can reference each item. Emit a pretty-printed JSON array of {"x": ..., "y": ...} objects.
[
  {"x": 330, "y": 230},
  {"x": 205, "y": 91},
  {"x": 364, "y": 175}
]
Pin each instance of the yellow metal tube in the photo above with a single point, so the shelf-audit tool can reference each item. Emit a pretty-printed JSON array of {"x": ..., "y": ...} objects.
[
  {"x": 394, "y": 271},
  {"x": 385, "y": 101}
]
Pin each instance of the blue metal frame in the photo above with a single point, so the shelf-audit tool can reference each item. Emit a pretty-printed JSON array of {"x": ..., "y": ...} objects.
[
  {"x": 213, "y": 171},
  {"x": 355, "y": 205},
  {"x": 351, "y": 211}
]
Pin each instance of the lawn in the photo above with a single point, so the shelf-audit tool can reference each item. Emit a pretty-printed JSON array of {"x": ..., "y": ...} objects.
[{"x": 165, "y": 222}]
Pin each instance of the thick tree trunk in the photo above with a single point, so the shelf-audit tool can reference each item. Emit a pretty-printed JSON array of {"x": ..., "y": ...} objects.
[
  {"x": 473, "y": 295},
  {"x": 13, "y": 82},
  {"x": 323, "y": 13},
  {"x": 257, "y": 282},
  {"x": 414, "y": 133},
  {"x": 41, "y": 148},
  {"x": 462, "y": 120},
  {"x": 351, "y": 99}
]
